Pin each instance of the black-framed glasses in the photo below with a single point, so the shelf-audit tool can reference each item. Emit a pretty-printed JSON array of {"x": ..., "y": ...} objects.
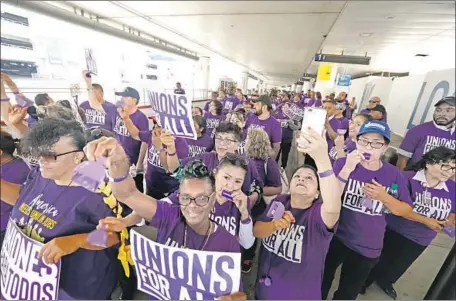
[
  {"x": 55, "y": 156},
  {"x": 235, "y": 159},
  {"x": 200, "y": 201},
  {"x": 447, "y": 167},
  {"x": 373, "y": 144},
  {"x": 224, "y": 140}
]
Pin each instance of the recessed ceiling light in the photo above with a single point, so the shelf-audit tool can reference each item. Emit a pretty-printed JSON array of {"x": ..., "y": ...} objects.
[
  {"x": 366, "y": 34},
  {"x": 421, "y": 55},
  {"x": 389, "y": 17}
]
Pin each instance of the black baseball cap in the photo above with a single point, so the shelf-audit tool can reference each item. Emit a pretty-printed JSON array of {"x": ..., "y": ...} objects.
[
  {"x": 379, "y": 108},
  {"x": 129, "y": 92},
  {"x": 264, "y": 99},
  {"x": 449, "y": 100}
]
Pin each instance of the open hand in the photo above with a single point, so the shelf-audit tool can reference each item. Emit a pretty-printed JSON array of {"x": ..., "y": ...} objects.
[
  {"x": 375, "y": 191},
  {"x": 112, "y": 224}
]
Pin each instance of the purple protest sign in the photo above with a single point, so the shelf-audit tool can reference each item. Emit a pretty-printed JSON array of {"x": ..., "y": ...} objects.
[
  {"x": 23, "y": 275},
  {"x": 169, "y": 273},
  {"x": 174, "y": 113}
]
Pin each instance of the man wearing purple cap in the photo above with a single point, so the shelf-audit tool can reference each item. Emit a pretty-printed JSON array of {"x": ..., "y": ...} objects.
[
  {"x": 424, "y": 137},
  {"x": 263, "y": 119}
]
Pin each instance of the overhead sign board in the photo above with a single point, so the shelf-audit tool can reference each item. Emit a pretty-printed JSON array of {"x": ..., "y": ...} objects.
[
  {"x": 343, "y": 79},
  {"x": 342, "y": 59}
]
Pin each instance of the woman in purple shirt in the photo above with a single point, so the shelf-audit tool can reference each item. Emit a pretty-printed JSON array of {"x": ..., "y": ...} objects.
[
  {"x": 434, "y": 204},
  {"x": 187, "y": 226},
  {"x": 213, "y": 117},
  {"x": 294, "y": 244},
  {"x": 14, "y": 170},
  {"x": 67, "y": 212},
  {"x": 372, "y": 189}
]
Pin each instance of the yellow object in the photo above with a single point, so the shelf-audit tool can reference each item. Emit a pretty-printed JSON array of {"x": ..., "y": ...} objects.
[
  {"x": 124, "y": 255},
  {"x": 324, "y": 72}
]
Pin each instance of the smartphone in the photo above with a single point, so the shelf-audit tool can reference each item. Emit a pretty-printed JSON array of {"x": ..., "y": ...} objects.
[{"x": 314, "y": 118}]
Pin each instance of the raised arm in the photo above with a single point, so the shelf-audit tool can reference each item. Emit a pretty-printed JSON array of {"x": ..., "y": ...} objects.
[
  {"x": 310, "y": 142},
  {"x": 125, "y": 190},
  {"x": 94, "y": 104}
]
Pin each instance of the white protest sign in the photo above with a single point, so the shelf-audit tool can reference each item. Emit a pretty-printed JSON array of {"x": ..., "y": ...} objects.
[
  {"x": 90, "y": 61},
  {"x": 169, "y": 273},
  {"x": 174, "y": 113},
  {"x": 23, "y": 275},
  {"x": 294, "y": 112}
]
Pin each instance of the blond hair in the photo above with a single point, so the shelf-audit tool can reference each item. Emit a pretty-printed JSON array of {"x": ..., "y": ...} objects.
[{"x": 258, "y": 145}]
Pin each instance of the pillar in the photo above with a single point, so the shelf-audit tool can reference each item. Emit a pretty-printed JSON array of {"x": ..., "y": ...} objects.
[
  {"x": 299, "y": 88},
  {"x": 245, "y": 81},
  {"x": 205, "y": 73}
]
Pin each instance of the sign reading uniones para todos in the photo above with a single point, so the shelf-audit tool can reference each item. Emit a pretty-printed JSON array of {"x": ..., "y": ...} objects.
[
  {"x": 174, "y": 113},
  {"x": 23, "y": 275},
  {"x": 169, "y": 273}
]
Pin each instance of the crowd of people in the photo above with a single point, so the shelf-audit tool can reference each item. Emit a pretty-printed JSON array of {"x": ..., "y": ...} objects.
[{"x": 344, "y": 204}]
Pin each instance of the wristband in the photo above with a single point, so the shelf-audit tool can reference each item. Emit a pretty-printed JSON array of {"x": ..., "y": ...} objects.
[
  {"x": 117, "y": 180},
  {"x": 172, "y": 154},
  {"x": 4, "y": 99},
  {"x": 246, "y": 221},
  {"x": 326, "y": 173},
  {"x": 341, "y": 179},
  {"x": 162, "y": 150}
]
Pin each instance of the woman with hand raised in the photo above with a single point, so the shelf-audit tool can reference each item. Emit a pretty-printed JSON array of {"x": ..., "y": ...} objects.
[{"x": 294, "y": 246}]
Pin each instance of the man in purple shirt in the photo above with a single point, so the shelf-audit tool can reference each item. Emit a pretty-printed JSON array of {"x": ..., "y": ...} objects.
[
  {"x": 337, "y": 124},
  {"x": 129, "y": 113},
  {"x": 373, "y": 102},
  {"x": 263, "y": 119},
  {"x": 424, "y": 137},
  {"x": 98, "y": 112},
  {"x": 342, "y": 99}
]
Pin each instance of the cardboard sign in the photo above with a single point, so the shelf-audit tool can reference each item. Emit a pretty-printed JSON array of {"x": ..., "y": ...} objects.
[
  {"x": 294, "y": 112},
  {"x": 23, "y": 275},
  {"x": 174, "y": 113},
  {"x": 90, "y": 61},
  {"x": 169, "y": 273}
]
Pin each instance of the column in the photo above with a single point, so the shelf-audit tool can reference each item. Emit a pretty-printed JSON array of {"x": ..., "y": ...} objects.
[
  {"x": 245, "y": 81},
  {"x": 299, "y": 88},
  {"x": 205, "y": 73},
  {"x": 293, "y": 88}
]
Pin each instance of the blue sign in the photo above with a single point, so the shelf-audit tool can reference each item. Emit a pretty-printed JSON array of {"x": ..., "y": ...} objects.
[
  {"x": 320, "y": 57},
  {"x": 344, "y": 80}
]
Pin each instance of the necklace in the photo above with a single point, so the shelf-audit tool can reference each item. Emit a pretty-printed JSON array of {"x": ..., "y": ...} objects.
[{"x": 208, "y": 234}]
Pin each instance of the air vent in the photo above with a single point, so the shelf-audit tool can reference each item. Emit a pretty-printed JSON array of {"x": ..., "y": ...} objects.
[
  {"x": 421, "y": 55},
  {"x": 15, "y": 42},
  {"x": 15, "y": 18},
  {"x": 18, "y": 68}
]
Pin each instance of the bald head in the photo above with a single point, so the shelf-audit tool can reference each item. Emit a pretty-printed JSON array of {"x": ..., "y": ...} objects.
[{"x": 374, "y": 100}]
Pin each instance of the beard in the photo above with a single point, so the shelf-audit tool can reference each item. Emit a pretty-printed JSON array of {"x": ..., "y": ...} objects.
[{"x": 445, "y": 122}]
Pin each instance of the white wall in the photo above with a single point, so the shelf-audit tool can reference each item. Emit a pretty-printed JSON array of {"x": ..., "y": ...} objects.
[{"x": 404, "y": 93}]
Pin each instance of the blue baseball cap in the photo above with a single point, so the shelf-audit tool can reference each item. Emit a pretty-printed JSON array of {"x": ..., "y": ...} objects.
[
  {"x": 376, "y": 126},
  {"x": 129, "y": 92}
]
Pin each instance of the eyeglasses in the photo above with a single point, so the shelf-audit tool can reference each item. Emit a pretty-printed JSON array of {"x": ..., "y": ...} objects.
[
  {"x": 224, "y": 140},
  {"x": 53, "y": 157},
  {"x": 235, "y": 159},
  {"x": 373, "y": 101},
  {"x": 200, "y": 201},
  {"x": 373, "y": 144},
  {"x": 446, "y": 167}
]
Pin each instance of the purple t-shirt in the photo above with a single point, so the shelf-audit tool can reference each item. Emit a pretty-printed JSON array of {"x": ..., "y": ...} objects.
[
  {"x": 362, "y": 229},
  {"x": 438, "y": 205},
  {"x": 425, "y": 137},
  {"x": 348, "y": 111},
  {"x": 294, "y": 258},
  {"x": 211, "y": 161},
  {"x": 62, "y": 211},
  {"x": 97, "y": 118},
  {"x": 287, "y": 133},
  {"x": 15, "y": 172},
  {"x": 156, "y": 176},
  {"x": 349, "y": 146},
  {"x": 366, "y": 111},
  {"x": 203, "y": 144},
  {"x": 340, "y": 126},
  {"x": 230, "y": 103},
  {"x": 313, "y": 102},
  {"x": 271, "y": 126},
  {"x": 268, "y": 172},
  {"x": 130, "y": 145},
  {"x": 212, "y": 122}
]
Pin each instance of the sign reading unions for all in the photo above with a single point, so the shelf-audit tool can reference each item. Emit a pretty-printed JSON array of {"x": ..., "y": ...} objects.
[
  {"x": 23, "y": 275},
  {"x": 174, "y": 113},
  {"x": 294, "y": 112},
  {"x": 169, "y": 273}
]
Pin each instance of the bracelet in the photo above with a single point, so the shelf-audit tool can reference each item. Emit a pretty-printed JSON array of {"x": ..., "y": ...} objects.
[
  {"x": 326, "y": 173},
  {"x": 162, "y": 150},
  {"x": 246, "y": 221},
  {"x": 117, "y": 180},
  {"x": 172, "y": 154},
  {"x": 4, "y": 99},
  {"x": 342, "y": 179}
]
